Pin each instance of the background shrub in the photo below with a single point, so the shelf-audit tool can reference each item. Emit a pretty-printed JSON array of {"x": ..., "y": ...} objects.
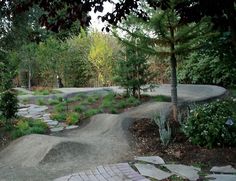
[
  {"x": 72, "y": 118},
  {"x": 8, "y": 104},
  {"x": 212, "y": 124},
  {"x": 29, "y": 126}
]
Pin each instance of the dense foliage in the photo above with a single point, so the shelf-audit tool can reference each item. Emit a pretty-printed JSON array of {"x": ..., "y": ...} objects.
[
  {"x": 205, "y": 69},
  {"x": 8, "y": 104},
  {"x": 132, "y": 71},
  {"x": 212, "y": 124}
]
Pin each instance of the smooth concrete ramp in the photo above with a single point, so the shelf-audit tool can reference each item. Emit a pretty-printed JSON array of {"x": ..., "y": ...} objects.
[{"x": 104, "y": 139}]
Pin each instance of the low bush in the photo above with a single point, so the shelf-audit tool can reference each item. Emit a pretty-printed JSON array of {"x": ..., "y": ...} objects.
[
  {"x": 92, "y": 112},
  {"x": 79, "y": 108},
  {"x": 53, "y": 101},
  {"x": 8, "y": 104},
  {"x": 72, "y": 118},
  {"x": 212, "y": 124},
  {"x": 132, "y": 101},
  {"x": 40, "y": 102},
  {"x": 29, "y": 126},
  {"x": 58, "y": 116},
  {"x": 60, "y": 107}
]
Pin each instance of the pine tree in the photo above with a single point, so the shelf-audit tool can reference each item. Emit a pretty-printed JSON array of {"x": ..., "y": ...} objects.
[
  {"x": 133, "y": 69},
  {"x": 167, "y": 38}
]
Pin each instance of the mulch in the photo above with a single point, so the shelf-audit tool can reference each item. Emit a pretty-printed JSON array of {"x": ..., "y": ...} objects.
[{"x": 180, "y": 150}]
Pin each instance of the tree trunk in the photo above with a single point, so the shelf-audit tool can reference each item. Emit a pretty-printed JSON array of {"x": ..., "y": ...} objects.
[
  {"x": 174, "y": 97},
  {"x": 173, "y": 62},
  {"x": 29, "y": 79}
]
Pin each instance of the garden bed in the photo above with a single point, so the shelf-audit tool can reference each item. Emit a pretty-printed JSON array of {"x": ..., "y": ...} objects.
[{"x": 180, "y": 150}]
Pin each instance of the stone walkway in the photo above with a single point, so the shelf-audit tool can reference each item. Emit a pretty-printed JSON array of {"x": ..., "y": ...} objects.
[
  {"x": 149, "y": 168},
  {"x": 39, "y": 112}
]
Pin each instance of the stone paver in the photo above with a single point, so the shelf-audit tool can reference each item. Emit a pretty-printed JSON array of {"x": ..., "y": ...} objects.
[
  {"x": 185, "y": 171},
  {"x": 224, "y": 169},
  {"x": 151, "y": 159},
  {"x": 151, "y": 171},
  {"x": 221, "y": 177},
  {"x": 113, "y": 172}
]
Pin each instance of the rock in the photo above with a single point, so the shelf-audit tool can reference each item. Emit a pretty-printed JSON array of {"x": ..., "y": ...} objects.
[
  {"x": 151, "y": 171},
  {"x": 23, "y": 110},
  {"x": 151, "y": 159},
  {"x": 188, "y": 172},
  {"x": 221, "y": 177},
  {"x": 72, "y": 127},
  {"x": 224, "y": 169},
  {"x": 52, "y": 123},
  {"x": 57, "y": 129}
]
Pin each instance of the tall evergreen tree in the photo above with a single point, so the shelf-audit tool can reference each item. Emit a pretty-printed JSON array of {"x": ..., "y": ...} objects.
[{"x": 167, "y": 38}]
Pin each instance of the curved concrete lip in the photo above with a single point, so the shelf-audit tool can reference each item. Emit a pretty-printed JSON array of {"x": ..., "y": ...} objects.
[{"x": 186, "y": 92}]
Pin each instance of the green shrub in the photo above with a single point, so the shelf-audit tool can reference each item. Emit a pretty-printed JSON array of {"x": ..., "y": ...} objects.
[
  {"x": 53, "y": 101},
  {"x": 58, "y": 116},
  {"x": 132, "y": 101},
  {"x": 121, "y": 104},
  {"x": 79, "y": 108},
  {"x": 8, "y": 104},
  {"x": 113, "y": 110},
  {"x": 40, "y": 102},
  {"x": 72, "y": 118},
  {"x": 106, "y": 103},
  {"x": 29, "y": 126},
  {"x": 212, "y": 124},
  {"x": 91, "y": 99},
  {"x": 92, "y": 112},
  {"x": 60, "y": 107}
]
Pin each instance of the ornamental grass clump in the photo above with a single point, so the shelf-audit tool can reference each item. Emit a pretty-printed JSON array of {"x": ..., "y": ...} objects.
[
  {"x": 164, "y": 128},
  {"x": 212, "y": 124}
]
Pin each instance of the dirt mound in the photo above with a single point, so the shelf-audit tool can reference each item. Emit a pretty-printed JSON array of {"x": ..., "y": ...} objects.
[
  {"x": 32, "y": 149},
  {"x": 65, "y": 151}
]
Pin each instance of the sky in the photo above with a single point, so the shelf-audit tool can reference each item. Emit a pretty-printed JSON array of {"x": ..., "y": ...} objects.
[{"x": 97, "y": 23}]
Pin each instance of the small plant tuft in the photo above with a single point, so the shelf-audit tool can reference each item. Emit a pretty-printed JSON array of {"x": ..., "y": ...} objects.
[{"x": 164, "y": 128}]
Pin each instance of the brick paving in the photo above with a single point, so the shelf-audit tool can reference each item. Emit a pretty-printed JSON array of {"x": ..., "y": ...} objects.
[{"x": 113, "y": 172}]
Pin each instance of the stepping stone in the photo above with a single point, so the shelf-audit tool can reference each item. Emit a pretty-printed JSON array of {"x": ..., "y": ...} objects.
[
  {"x": 224, "y": 169},
  {"x": 72, "y": 127},
  {"x": 151, "y": 171},
  {"x": 185, "y": 171},
  {"x": 52, "y": 123},
  {"x": 57, "y": 129},
  {"x": 221, "y": 177},
  {"x": 23, "y": 110},
  {"x": 151, "y": 159}
]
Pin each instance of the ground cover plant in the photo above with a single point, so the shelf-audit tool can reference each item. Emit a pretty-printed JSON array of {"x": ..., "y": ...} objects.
[
  {"x": 212, "y": 124},
  {"x": 81, "y": 106},
  {"x": 19, "y": 126}
]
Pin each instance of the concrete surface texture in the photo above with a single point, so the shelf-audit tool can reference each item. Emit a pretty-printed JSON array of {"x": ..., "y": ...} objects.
[{"x": 105, "y": 139}]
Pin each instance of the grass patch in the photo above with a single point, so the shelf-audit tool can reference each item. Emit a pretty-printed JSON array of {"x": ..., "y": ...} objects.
[
  {"x": 45, "y": 92},
  {"x": 161, "y": 98}
]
